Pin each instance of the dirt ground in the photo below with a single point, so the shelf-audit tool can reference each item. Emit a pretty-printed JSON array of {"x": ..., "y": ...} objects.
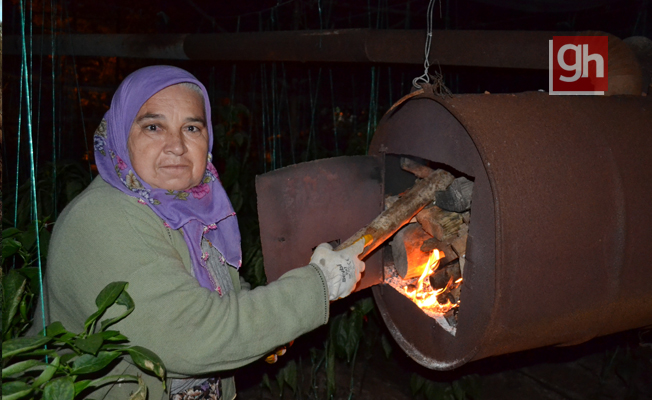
[{"x": 613, "y": 367}]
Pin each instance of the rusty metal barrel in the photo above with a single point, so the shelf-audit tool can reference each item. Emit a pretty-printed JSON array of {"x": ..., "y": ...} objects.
[{"x": 561, "y": 220}]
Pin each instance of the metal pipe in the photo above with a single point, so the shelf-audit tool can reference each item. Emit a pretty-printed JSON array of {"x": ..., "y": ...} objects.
[{"x": 500, "y": 49}]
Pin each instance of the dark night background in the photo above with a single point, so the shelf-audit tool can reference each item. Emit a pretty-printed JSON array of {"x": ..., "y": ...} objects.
[{"x": 267, "y": 115}]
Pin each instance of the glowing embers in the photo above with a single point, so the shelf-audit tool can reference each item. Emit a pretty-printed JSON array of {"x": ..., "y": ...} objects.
[
  {"x": 437, "y": 301},
  {"x": 423, "y": 294}
]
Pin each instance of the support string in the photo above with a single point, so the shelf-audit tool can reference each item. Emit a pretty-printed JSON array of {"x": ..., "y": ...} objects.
[
  {"x": 287, "y": 105},
  {"x": 371, "y": 107},
  {"x": 274, "y": 116},
  {"x": 20, "y": 128},
  {"x": 425, "y": 78},
  {"x": 31, "y": 159},
  {"x": 264, "y": 114},
  {"x": 54, "y": 141},
  {"x": 81, "y": 110},
  {"x": 334, "y": 112}
]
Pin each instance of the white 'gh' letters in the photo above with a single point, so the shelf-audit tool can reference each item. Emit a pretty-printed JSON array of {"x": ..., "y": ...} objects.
[{"x": 581, "y": 65}]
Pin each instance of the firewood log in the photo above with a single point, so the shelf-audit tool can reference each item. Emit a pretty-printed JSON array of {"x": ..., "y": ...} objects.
[
  {"x": 466, "y": 217},
  {"x": 401, "y": 212},
  {"x": 439, "y": 223},
  {"x": 457, "y": 197},
  {"x": 442, "y": 275},
  {"x": 459, "y": 244},
  {"x": 444, "y": 247},
  {"x": 390, "y": 200},
  {"x": 409, "y": 259},
  {"x": 419, "y": 170}
]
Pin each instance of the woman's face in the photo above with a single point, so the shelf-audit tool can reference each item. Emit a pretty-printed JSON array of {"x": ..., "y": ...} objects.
[{"x": 168, "y": 140}]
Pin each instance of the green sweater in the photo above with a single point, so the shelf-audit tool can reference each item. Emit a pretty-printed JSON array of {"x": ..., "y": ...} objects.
[{"x": 105, "y": 236}]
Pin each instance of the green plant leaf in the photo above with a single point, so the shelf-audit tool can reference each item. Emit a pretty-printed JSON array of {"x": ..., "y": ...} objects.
[
  {"x": 387, "y": 347},
  {"x": 113, "y": 335},
  {"x": 141, "y": 392},
  {"x": 266, "y": 383},
  {"x": 10, "y": 247},
  {"x": 110, "y": 294},
  {"x": 15, "y": 390},
  {"x": 365, "y": 305},
  {"x": 66, "y": 358},
  {"x": 416, "y": 384},
  {"x": 44, "y": 241},
  {"x": 280, "y": 382},
  {"x": 81, "y": 385},
  {"x": 22, "y": 344},
  {"x": 346, "y": 331},
  {"x": 19, "y": 367},
  {"x": 10, "y": 232},
  {"x": 25, "y": 302},
  {"x": 28, "y": 238},
  {"x": 87, "y": 363},
  {"x": 60, "y": 389},
  {"x": 40, "y": 353},
  {"x": 437, "y": 391},
  {"x": 289, "y": 375},
  {"x": 458, "y": 391},
  {"x": 104, "y": 300},
  {"x": 330, "y": 370},
  {"x": 90, "y": 344},
  {"x": 55, "y": 329},
  {"x": 147, "y": 360},
  {"x": 13, "y": 288},
  {"x": 239, "y": 138},
  {"x": 124, "y": 300},
  {"x": 47, "y": 373},
  {"x": 32, "y": 275},
  {"x": 471, "y": 384}
]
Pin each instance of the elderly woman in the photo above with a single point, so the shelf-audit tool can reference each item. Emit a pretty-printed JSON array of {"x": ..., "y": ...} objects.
[{"x": 158, "y": 218}]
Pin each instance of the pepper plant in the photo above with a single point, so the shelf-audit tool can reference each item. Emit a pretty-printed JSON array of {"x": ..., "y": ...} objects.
[{"x": 55, "y": 364}]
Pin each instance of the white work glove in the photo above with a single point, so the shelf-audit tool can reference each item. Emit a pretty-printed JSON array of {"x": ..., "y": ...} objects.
[{"x": 342, "y": 268}]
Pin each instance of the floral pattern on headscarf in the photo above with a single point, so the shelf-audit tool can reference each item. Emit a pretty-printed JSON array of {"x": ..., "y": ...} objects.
[{"x": 193, "y": 209}]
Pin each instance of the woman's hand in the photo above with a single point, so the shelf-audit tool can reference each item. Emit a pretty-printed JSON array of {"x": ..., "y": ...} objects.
[{"x": 342, "y": 268}]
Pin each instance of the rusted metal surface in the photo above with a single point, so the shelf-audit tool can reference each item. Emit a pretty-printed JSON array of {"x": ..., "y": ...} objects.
[
  {"x": 501, "y": 49},
  {"x": 303, "y": 205},
  {"x": 163, "y": 46},
  {"x": 558, "y": 248}
]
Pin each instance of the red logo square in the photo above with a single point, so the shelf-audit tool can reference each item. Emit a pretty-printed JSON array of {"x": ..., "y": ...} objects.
[{"x": 578, "y": 64}]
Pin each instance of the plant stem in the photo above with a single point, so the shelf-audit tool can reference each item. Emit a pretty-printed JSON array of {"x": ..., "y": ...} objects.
[{"x": 355, "y": 353}]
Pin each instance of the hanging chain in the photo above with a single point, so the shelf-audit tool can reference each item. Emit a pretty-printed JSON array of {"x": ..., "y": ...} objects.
[{"x": 425, "y": 78}]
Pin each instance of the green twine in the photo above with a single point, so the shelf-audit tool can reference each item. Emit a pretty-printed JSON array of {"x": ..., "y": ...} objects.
[
  {"x": 287, "y": 105},
  {"x": 274, "y": 116},
  {"x": 389, "y": 84},
  {"x": 264, "y": 113},
  {"x": 371, "y": 115},
  {"x": 54, "y": 141},
  {"x": 40, "y": 85},
  {"x": 20, "y": 118},
  {"x": 330, "y": 73},
  {"x": 81, "y": 110},
  {"x": 31, "y": 158},
  {"x": 313, "y": 108}
]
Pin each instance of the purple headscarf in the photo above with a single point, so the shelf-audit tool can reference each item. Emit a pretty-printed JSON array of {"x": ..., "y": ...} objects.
[{"x": 204, "y": 210}]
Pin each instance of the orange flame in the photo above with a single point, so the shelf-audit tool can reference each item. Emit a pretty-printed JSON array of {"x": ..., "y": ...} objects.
[{"x": 424, "y": 295}]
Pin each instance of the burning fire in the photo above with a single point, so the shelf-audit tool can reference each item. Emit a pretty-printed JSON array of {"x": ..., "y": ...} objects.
[{"x": 424, "y": 295}]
